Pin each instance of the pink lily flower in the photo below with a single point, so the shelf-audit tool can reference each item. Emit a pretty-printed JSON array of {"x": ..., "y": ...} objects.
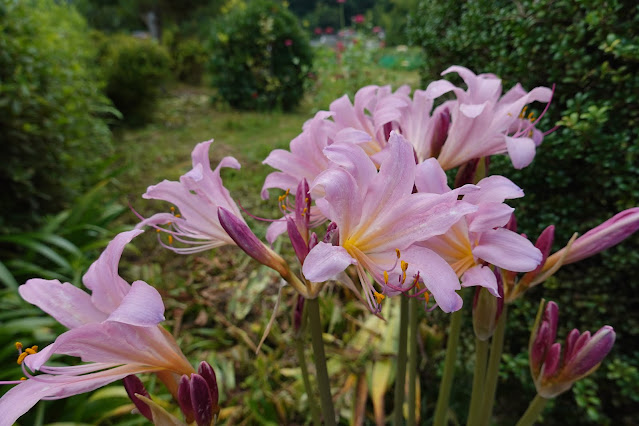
[
  {"x": 115, "y": 330},
  {"x": 484, "y": 124},
  {"x": 197, "y": 195},
  {"x": 376, "y": 111},
  {"x": 480, "y": 237},
  {"x": 582, "y": 355},
  {"x": 380, "y": 218}
]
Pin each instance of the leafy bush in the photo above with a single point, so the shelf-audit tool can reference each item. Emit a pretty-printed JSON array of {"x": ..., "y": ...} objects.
[
  {"x": 135, "y": 70},
  {"x": 50, "y": 99},
  {"x": 189, "y": 57},
  {"x": 588, "y": 169},
  {"x": 261, "y": 57}
]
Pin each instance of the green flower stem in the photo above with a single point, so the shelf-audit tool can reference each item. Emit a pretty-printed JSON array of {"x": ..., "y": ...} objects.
[
  {"x": 312, "y": 403},
  {"x": 533, "y": 412},
  {"x": 400, "y": 380},
  {"x": 441, "y": 410},
  {"x": 492, "y": 374},
  {"x": 412, "y": 360},
  {"x": 479, "y": 378},
  {"x": 320, "y": 361}
]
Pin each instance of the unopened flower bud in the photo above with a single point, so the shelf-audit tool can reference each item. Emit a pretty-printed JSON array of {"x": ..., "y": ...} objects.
[
  {"x": 247, "y": 241},
  {"x": 133, "y": 385},
  {"x": 582, "y": 353},
  {"x": 544, "y": 244},
  {"x": 487, "y": 309},
  {"x": 198, "y": 396}
]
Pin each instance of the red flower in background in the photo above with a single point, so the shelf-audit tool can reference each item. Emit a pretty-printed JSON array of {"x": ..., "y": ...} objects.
[
  {"x": 328, "y": 30},
  {"x": 318, "y": 30},
  {"x": 288, "y": 42},
  {"x": 358, "y": 19}
]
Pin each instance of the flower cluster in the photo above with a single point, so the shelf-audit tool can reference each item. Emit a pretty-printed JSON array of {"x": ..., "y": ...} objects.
[{"x": 366, "y": 200}]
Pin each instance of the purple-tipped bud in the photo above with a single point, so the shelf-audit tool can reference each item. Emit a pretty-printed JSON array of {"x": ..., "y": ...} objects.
[
  {"x": 551, "y": 363},
  {"x": 544, "y": 244},
  {"x": 184, "y": 398},
  {"x": 582, "y": 355},
  {"x": 312, "y": 242},
  {"x": 303, "y": 208},
  {"x": 539, "y": 347},
  {"x": 466, "y": 173},
  {"x": 298, "y": 243},
  {"x": 201, "y": 401},
  {"x": 299, "y": 311},
  {"x": 600, "y": 238},
  {"x": 512, "y": 223},
  {"x": 206, "y": 371},
  {"x": 551, "y": 316},
  {"x": 441, "y": 126},
  {"x": 332, "y": 234},
  {"x": 588, "y": 356},
  {"x": 247, "y": 241},
  {"x": 134, "y": 385}
]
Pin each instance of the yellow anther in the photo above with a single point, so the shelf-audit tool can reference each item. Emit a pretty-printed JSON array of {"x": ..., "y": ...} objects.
[
  {"x": 31, "y": 351},
  {"x": 306, "y": 200},
  {"x": 21, "y": 358},
  {"x": 378, "y": 297},
  {"x": 158, "y": 230},
  {"x": 178, "y": 215},
  {"x": 18, "y": 345},
  {"x": 398, "y": 253},
  {"x": 404, "y": 266},
  {"x": 523, "y": 112},
  {"x": 170, "y": 239},
  {"x": 427, "y": 297},
  {"x": 385, "y": 277},
  {"x": 531, "y": 116},
  {"x": 172, "y": 209},
  {"x": 288, "y": 191},
  {"x": 23, "y": 378}
]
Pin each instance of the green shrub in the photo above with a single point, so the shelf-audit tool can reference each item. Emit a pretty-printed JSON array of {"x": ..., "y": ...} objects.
[
  {"x": 189, "y": 56},
  {"x": 50, "y": 99},
  {"x": 135, "y": 70},
  {"x": 588, "y": 169},
  {"x": 261, "y": 57}
]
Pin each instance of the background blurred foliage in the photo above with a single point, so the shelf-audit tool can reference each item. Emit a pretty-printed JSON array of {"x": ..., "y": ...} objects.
[
  {"x": 260, "y": 57},
  {"x": 584, "y": 172},
  {"x": 50, "y": 107},
  {"x": 135, "y": 71}
]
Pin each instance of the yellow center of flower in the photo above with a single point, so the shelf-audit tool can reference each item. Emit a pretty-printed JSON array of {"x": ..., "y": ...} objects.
[{"x": 379, "y": 297}]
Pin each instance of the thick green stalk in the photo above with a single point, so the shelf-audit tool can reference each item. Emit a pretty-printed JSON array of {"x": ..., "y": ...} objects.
[
  {"x": 412, "y": 360},
  {"x": 312, "y": 306},
  {"x": 492, "y": 374},
  {"x": 400, "y": 380},
  {"x": 479, "y": 378},
  {"x": 533, "y": 412},
  {"x": 441, "y": 410},
  {"x": 312, "y": 403}
]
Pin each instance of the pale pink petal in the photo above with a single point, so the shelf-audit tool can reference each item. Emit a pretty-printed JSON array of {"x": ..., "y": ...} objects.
[
  {"x": 141, "y": 306},
  {"x": 343, "y": 198},
  {"x": 69, "y": 305},
  {"x": 279, "y": 180},
  {"x": 472, "y": 111},
  {"x": 395, "y": 179},
  {"x": 325, "y": 261},
  {"x": 482, "y": 276},
  {"x": 21, "y": 398},
  {"x": 430, "y": 177},
  {"x": 489, "y": 216},
  {"x": 494, "y": 189},
  {"x": 439, "y": 278},
  {"x": 108, "y": 288},
  {"x": 274, "y": 230},
  {"x": 508, "y": 250},
  {"x": 354, "y": 160},
  {"x": 351, "y": 135},
  {"x": 521, "y": 151}
]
